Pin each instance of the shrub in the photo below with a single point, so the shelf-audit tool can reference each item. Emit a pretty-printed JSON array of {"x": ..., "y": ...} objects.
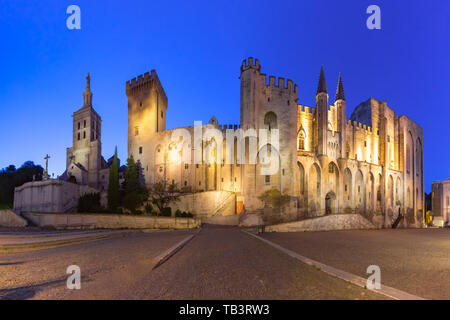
[
  {"x": 186, "y": 189},
  {"x": 148, "y": 208},
  {"x": 132, "y": 201},
  {"x": 138, "y": 212},
  {"x": 166, "y": 212},
  {"x": 187, "y": 215},
  {"x": 348, "y": 209},
  {"x": 178, "y": 213},
  {"x": 90, "y": 202}
]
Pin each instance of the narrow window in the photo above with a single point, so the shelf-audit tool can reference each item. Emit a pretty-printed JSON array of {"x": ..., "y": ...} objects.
[
  {"x": 140, "y": 150},
  {"x": 162, "y": 114},
  {"x": 267, "y": 179},
  {"x": 78, "y": 136},
  {"x": 84, "y": 134},
  {"x": 186, "y": 166},
  {"x": 84, "y": 123},
  {"x": 136, "y": 131},
  {"x": 78, "y": 126},
  {"x": 185, "y": 183}
]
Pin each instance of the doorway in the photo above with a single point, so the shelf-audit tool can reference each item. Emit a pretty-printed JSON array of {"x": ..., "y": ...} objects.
[{"x": 330, "y": 200}]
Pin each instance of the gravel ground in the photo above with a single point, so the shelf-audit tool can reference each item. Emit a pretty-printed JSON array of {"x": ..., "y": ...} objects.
[{"x": 413, "y": 260}]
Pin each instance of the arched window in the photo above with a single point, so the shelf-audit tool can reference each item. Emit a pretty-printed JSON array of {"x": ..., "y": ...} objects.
[
  {"x": 270, "y": 120},
  {"x": 301, "y": 140}
]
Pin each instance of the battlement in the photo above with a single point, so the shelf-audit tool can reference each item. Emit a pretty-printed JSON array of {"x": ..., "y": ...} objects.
[
  {"x": 250, "y": 65},
  {"x": 145, "y": 81},
  {"x": 306, "y": 109},
  {"x": 359, "y": 126},
  {"x": 281, "y": 84},
  {"x": 230, "y": 126}
]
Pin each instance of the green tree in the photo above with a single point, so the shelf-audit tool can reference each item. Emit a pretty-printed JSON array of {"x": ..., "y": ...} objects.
[
  {"x": 11, "y": 177},
  {"x": 89, "y": 202},
  {"x": 134, "y": 195},
  {"x": 161, "y": 194},
  {"x": 132, "y": 182},
  {"x": 113, "y": 186}
]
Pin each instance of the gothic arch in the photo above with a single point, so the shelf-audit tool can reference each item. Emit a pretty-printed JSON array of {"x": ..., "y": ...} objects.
[
  {"x": 348, "y": 186},
  {"x": 398, "y": 190},
  {"x": 371, "y": 191},
  {"x": 301, "y": 136},
  {"x": 270, "y": 120},
  {"x": 314, "y": 188},
  {"x": 302, "y": 194},
  {"x": 360, "y": 191},
  {"x": 390, "y": 191},
  {"x": 333, "y": 178}
]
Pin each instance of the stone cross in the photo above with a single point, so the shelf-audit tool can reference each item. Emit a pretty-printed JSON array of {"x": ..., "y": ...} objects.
[{"x": 46, "y": 166}]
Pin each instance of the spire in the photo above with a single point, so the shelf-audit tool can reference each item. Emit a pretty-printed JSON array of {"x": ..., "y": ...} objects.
[
  {"x": 340, "y": 90},
  {"x": 322, "y": 85},
  {"x": 87, "y": 93}
]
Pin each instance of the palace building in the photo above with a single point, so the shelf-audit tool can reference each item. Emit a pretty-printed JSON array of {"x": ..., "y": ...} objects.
[{"x": 370, "y": 164}]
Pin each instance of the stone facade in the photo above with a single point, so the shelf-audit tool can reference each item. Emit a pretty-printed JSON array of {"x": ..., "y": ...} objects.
[
  {"x": 441, "y": 200},
  {"x": 49, "y": 196},
  {"x": 370, "y": 164},
  {"x": 85, "y": 164}
]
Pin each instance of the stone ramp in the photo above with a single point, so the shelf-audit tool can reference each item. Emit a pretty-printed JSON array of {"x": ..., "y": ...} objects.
[
  {"x": 9, "y": 218},
  {"x": 325, "y": 223}
]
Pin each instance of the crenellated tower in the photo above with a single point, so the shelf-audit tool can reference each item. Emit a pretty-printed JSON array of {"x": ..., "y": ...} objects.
[
  {"x": 147, "y": 107},
  {"x": 272, "y": 106},
  {"x": 251, "y": 92}
]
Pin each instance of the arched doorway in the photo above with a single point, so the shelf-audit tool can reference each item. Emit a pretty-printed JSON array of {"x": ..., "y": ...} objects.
[{"x": 330, "y": 203}]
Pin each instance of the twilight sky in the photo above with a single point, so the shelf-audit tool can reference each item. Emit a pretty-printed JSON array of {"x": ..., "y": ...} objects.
[{"x": 197, "y": 48}]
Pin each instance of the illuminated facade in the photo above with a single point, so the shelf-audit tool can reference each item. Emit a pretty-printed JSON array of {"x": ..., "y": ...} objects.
[
  {"x": 441, "y": 200},
  {"x": 371, "y": 163},
  {"x": 84, "y": 163}
]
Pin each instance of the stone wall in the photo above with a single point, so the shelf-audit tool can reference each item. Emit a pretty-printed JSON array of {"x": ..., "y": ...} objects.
[
  {"x": 326, "y": 223},
  {"x": 49, "y": 196},
  {"x": 207, "y": 204},
  {"x": 9, "y": 219},
  {"x": 109, "y": 221}
]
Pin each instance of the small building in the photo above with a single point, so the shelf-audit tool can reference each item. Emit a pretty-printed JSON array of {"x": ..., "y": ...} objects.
[{"x": 441, "y": 201}]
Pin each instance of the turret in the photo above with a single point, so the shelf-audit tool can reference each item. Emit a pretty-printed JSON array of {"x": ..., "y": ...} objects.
[
  {"x": 251, "y": 83},
  {"x": 340, "y": 104},
  {"x": 147, "y": 108},
  {"x": 322, "y": 113}
]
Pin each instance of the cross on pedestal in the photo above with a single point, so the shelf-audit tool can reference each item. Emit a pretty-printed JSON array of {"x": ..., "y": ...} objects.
[{"x": 46, "y": 166}]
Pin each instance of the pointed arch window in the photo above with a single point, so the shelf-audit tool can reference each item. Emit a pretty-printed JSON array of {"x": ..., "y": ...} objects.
[
  {"x": 270, "y": 120},
  {"x": 301, "y": 139}
]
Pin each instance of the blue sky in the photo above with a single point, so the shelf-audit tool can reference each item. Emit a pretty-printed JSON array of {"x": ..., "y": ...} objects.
[{"x": 197, "y": 48}]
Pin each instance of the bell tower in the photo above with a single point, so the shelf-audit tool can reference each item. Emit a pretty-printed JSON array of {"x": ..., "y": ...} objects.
[{"x": 84, "y": 158}]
